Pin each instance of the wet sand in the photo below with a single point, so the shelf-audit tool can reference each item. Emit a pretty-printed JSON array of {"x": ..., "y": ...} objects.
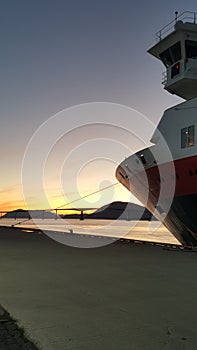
[{"x": 120, "y": 297}]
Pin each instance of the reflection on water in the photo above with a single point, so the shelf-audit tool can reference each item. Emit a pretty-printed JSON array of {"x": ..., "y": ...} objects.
[{"x": 139, "y": 230}]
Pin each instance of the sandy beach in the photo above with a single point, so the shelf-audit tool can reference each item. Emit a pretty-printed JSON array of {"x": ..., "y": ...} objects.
[{"x": 123, "y": 296}]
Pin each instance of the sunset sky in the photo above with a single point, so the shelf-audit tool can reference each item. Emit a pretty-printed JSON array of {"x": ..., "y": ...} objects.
[{"x": 59, "y": 54}]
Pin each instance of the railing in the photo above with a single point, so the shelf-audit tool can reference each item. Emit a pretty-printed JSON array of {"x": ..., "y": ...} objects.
[
  {"x": 167, "y": 29},
  {"x": 164, "y": 78}
]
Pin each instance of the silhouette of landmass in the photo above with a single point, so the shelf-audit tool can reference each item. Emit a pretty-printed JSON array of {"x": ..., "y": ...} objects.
[
  {"x": 112, "y": 211},
  {"x": 25, "y": 214},
  {"x": 122, "y": 210},
  {"x": 117, "y": 210}
]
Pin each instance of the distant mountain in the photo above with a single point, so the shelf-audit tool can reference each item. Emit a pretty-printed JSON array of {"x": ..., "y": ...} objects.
[
  {"x": 25, "y": 214},
  {"x": 111, "y": 211},
  {"x": 116, "y": 210},
  {"x": 123, "y": 211}
]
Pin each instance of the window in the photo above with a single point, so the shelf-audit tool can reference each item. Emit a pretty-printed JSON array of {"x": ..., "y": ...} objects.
[
  {"x": 176, "y": 51},
  {"x": 166, "y": 58},
  {"x": 143, "y": 159},
  {"x": 191, "y": 48},
  {"x": 175, "y": 70},
  {"x": 171, "y": 55},
  {"x": 187, "y": 136}
]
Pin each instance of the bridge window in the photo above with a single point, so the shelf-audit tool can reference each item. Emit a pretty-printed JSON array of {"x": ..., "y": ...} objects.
[
  {"x": 176, "y": 51},
  {"x": 166, "y": 58},
  {"x": 175, "y": 69},
  {"x": 187, "y": 136},
  {"x": 191, "y": 48},
  {"x": 171, "y": 55}
]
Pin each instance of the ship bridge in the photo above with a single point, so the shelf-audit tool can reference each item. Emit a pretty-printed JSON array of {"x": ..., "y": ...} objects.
[{"x": 176, "y": 47}]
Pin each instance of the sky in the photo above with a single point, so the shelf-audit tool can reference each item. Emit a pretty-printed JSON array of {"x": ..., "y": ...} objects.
[{"x": 57, "y": 54}]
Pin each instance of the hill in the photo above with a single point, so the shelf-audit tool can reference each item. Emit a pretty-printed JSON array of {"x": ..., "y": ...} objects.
[
  {"x": 123, "y": 211},
  {"x": 112, "y": 211},
  {"x": 25, "y": 214},
  {"x": 116, "y": 210}
]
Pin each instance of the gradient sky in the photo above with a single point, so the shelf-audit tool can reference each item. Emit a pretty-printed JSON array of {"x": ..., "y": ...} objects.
[{"x": 57, "y": 54}]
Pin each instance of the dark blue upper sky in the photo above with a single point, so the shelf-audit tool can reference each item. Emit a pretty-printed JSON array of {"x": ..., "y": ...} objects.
[{"x": 59, "y": 53}]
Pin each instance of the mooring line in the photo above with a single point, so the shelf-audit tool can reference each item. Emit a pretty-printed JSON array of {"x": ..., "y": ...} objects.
[{"x": 73, "y": 201}]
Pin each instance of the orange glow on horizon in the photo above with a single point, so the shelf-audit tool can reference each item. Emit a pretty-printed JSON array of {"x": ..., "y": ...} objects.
[{"x": 12, "y": 199}]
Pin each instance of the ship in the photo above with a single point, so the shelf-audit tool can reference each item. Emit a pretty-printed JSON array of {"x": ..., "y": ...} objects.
[{"x": 163, "y": 177}]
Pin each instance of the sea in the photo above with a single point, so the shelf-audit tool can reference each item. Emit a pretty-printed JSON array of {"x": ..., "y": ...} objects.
[{"x": 150, "y": 231}]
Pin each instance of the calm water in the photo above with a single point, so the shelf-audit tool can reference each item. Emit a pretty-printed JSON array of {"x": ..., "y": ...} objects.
[{"x": 139, "y": 230}]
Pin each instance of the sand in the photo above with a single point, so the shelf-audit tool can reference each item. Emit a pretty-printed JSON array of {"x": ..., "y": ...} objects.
[{"x": 120, "y": 297}]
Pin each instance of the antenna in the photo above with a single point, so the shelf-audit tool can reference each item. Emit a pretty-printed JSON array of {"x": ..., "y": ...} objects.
[{"x": 176, "y": 16}]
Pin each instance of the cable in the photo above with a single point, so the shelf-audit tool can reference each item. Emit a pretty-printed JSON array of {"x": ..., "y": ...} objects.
[
  {"x": 73, "y": 201},
  {"x": 88, "y": 195}
]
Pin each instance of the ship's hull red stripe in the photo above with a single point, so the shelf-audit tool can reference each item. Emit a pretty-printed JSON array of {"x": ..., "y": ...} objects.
[
  {"x": 186, "y": 181},
  {"x": 185, "y": 176}
]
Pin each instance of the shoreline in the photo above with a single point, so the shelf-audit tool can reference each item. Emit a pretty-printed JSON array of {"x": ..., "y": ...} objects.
[
  {"x": 132, "y": 230},
  {"x": 113, "y": 239}
]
